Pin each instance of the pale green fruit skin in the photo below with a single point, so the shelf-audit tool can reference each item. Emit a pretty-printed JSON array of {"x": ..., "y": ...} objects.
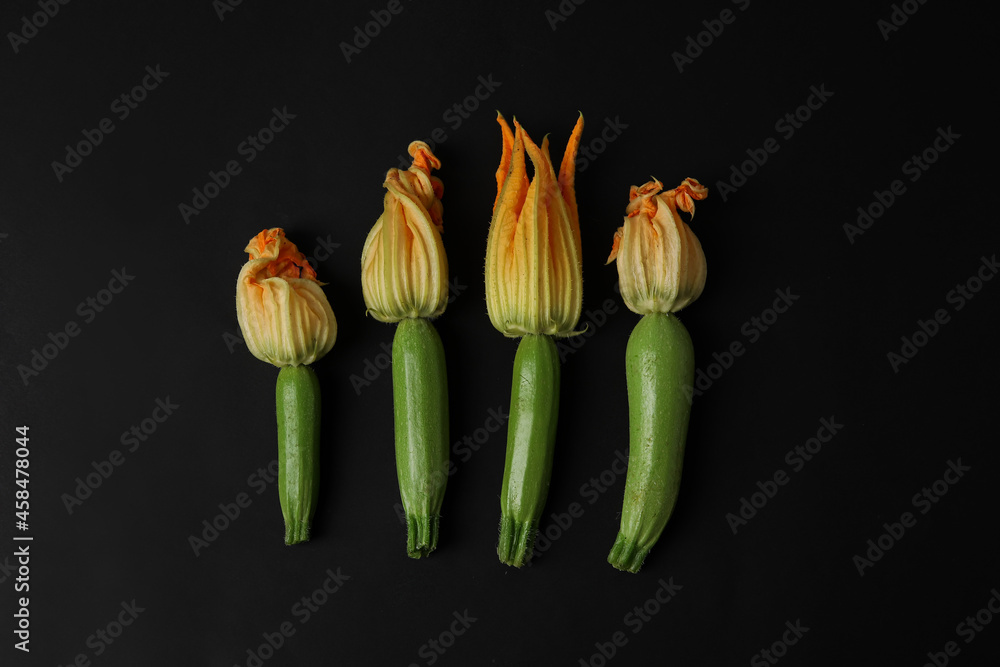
[
  {"x": 420, "y": 406},
  {"x": 659, "y": 370},
  {"x": 298, "y": 411}
]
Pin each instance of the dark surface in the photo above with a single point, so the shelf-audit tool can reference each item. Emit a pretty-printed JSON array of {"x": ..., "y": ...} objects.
[{"x": 169, "y": 332}]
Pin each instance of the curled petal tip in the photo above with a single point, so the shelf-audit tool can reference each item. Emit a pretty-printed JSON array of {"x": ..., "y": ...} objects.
[
  {"x": 687, "y": 192},
  {"x": 423, "y": 158},
  {"x": 615, "y": 246}
]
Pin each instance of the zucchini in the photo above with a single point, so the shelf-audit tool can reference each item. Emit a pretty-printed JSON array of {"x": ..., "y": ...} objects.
[
  {"x": 659, "y": 365},
  {"x": 531, "y": 434},
  {"x": 298, "y": 410},
  {"x": 420, "y": 407}
]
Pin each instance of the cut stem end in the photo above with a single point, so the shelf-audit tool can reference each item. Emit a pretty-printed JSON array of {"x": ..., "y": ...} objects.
[
  {"x": 421, "y": 535},
  {"x": 517, "y": 541},
  {"x": 626, "y": 555},
  {"x": 296, "y": 532}
]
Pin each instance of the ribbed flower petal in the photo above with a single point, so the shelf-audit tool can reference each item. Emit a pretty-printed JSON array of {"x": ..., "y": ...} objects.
[
  {"x": 283, "y": 313},
  {"x": 661, "y": 265},
  {"x": 404, "y": 269},
  {"x": 533, "y": 267}
]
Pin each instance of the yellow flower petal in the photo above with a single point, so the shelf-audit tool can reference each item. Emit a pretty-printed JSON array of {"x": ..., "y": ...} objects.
[
  {"x": 283, "y": 313},
  {"x": 404, "y": 269},
  {"x": 661, "y": 265},
  {"x": 533, "y": 267}
]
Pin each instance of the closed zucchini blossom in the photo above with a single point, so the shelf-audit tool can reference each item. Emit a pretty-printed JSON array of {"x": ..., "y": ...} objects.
[
  {"x": 404, "y": 270},
  {"x": 534, "y": 280},
  {"x": 661, "y": 269},
  {"x": 287, "y": 321},
  {"x": 534, "y": 289},
  {"x": 282, "y": 310},
  {"x": 661, "y": 266},
  {"x": 404, "y": 278}
]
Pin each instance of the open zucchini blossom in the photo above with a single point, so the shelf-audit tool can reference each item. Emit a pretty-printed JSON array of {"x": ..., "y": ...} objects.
[
  {"x": 661, "y": 266},
  {"x": 282, "y": 310},
  {"x": 534, "y": 280},
  {"x": 404, "y": 269},
  {"x": 534, "y": 291}
]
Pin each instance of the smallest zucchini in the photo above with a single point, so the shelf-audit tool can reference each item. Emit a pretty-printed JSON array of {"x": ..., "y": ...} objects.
[
  {"x": 298, "y": 410},
  {"x": 287, "y": 321}
]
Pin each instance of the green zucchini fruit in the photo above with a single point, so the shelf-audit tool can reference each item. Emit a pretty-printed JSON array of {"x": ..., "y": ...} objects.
[
  {"x": 531, "y": 433},
  {"x": 659, "y": 370},
  {"x": 420, "y": 406},
  {"x": 298, "y": 408}
]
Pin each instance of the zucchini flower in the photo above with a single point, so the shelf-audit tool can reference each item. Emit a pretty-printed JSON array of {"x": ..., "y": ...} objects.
[
  {"x": 661, "y": 269},
  {"x": 534, "y": 280},
  {"x": 534, "y": 290},
  {"x": 661, "y": 266},
  {"x": 283, "y": 313},
  {"x": 404, "y": 270},
  {"x": 287, "y": 321},
  {"x": 404, "y": 279}
]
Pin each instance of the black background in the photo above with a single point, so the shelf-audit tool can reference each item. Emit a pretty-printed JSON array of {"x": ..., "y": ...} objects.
[{"x": 169, "y": 332}]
